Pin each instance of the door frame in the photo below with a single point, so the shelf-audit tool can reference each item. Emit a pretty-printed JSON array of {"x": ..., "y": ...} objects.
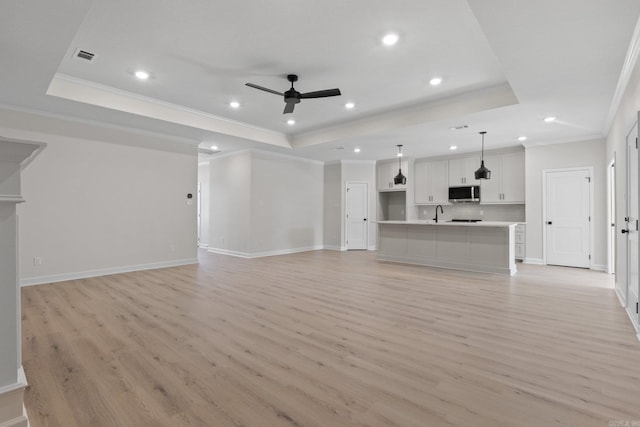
[
  {"x": 545, "y": 172},
  {"x": 611, "y": 215},
  {"x": 346, "y": 212},
  {"x": 634, "y": 316}
]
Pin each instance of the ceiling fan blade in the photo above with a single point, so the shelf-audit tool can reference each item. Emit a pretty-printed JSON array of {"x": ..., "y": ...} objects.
[
  {"x": 321, "y": 93},
  {"x": 289, "y": 107},
  {"x": 264, "y": 89}
]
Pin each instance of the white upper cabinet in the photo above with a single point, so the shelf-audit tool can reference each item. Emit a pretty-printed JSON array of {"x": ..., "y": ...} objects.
[
  {"x": 462, "y": 171},
  {"x": 387, "y": 171},
  {"x": 431, "y": 184},
  {"x": 507, "y": 179}
]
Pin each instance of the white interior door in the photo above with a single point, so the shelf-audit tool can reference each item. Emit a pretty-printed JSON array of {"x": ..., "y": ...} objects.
[
  {"x": 631, "y": 230},
  {"x": 567, "y": 219},
  {"x": 357, "y": 215}
]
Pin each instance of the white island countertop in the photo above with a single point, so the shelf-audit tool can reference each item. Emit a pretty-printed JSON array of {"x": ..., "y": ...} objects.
[{"x": 451, "y": 223}]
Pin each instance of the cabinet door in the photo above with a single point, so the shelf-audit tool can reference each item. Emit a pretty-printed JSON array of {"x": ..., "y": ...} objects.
[
  {"x": 462, "y": 171},
  {"x": 513, "y": 177},
  {"x": 469, "y": 167},
  {"x": 384, "y": 174},
  {"x": 455, "y": 172},
  {"x": 439, "y": 182},
  {"x": 421, "y": 181},
  {"x": 491, "y": 191}
]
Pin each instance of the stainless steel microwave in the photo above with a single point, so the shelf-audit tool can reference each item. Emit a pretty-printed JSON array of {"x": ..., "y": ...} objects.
[{"x": 466, "y": 194}]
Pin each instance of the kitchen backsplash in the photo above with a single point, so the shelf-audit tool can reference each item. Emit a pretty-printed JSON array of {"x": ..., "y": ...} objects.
[{"x": 475, "y": 211}]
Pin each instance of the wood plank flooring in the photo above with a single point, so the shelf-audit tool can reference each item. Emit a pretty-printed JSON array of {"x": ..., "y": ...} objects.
[{"x": 329, "y": 339}]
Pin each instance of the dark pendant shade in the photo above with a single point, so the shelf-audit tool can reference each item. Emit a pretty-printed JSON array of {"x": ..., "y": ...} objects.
[
  {"x": 399, "y": 179},
  {"x": 482, "y": 172}
]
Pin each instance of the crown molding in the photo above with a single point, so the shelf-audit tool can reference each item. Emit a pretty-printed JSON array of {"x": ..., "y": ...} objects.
[
  {"x": 625, "y": 75},
  {"x": 467, "y": 103},
  {"x": 68, "y": 87},
  {"x": 593, "y": 137}
]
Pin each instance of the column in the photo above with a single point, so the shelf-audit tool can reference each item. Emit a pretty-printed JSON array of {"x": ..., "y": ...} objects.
[{"x": 14, "y": 156}]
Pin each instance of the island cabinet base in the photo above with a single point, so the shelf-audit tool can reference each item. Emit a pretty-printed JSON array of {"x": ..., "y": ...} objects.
[{"x": 464, "y": 247}]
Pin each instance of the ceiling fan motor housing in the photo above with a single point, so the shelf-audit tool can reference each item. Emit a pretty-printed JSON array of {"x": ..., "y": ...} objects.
[{"x": 292, "y": 96}]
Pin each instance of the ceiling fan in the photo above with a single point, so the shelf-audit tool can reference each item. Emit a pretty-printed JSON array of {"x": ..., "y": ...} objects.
[{"x": 292, "y": 96}]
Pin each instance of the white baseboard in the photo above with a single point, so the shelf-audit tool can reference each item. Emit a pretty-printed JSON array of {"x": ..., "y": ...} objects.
[
  {"x": 12, "y": 410},
  {"x": 228, "y": 252},
  {"x": 631, "y": 313},
  {"x": 372, "y": 248},
  {"x": 104, "y": 272},
  {"x": 599, "y": 267},
  {"x": 203, "y": 245},
  {"x": 620, "y": 298},
  {"x": 335, "y": 248},
  {"x": 536, "y": 261},
  {"x": 248, "y": 255}
]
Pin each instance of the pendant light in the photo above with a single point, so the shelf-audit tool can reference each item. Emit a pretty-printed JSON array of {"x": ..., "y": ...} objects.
[
  {"x": 399, "y": 179},
  {"x": 483, "y": 172}
]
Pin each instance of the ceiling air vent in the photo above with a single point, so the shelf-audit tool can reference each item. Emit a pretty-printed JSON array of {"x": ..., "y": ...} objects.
[{"x": 83, "y": 54}]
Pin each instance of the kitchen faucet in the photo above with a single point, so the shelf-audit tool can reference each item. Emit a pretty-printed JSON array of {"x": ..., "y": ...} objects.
[{"x": 441, "y": 211}]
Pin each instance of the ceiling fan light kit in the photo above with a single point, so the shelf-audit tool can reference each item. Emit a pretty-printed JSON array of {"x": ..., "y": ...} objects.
[
  {"x": 293, "y": 97},
  {"x": 482, "y": 172},
  {"x": 399, "y": 179}
]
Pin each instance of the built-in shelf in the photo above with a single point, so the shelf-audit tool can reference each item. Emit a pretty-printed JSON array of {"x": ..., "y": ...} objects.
[{"x": 392, "y": 206}]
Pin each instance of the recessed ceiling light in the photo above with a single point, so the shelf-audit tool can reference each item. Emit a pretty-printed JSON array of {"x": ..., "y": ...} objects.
[
  {"x": 522, "y": 138},
  {"x": 214, "y": 147},
  {"x": 234, "y": 104},
  {"x": 549, "y": 119},
  {"x": 453, "y": 147},
  {"x": 356, "y": 150},
  {"x": 142, "y": 75},
  {"x": 390, "y": 39},
  {"x": 291, "y": 122},
  {"x": 435, "y": 81},
  {"x": 349, "y": 105}
]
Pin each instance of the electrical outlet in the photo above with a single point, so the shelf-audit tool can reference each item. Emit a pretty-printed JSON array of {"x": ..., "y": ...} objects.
[{"x": 37, "y": 261}]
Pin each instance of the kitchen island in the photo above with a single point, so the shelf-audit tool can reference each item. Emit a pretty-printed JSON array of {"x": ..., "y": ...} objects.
[{"x": 486, "y": 246}]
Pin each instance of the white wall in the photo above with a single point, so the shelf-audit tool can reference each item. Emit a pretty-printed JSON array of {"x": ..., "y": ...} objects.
[
  {"x": 560, "y": 156},
  {"x": 332, "y": 230},
  {"x": 95, "y": 207},
  {"x": 624, "y": 119},
  {"x": 286, "y": 203},
  {"x": 204, "y": 182},
  {"x": 230, "y": 192},
  {"x": 264, "y": 203}
]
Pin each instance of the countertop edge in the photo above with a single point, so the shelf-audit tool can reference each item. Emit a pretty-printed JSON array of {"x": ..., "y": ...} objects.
[{"x": 453, "y": 224}]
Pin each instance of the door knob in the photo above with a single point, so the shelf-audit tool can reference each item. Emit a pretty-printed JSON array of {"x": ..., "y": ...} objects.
[
  {"x": 624, "y": 231},
  {"x": 548, "y": 222},
  {"x": 365, "y": 219}
]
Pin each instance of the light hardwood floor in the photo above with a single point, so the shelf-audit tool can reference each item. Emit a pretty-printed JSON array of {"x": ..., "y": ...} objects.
[{"x": 329, "y": 339}]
